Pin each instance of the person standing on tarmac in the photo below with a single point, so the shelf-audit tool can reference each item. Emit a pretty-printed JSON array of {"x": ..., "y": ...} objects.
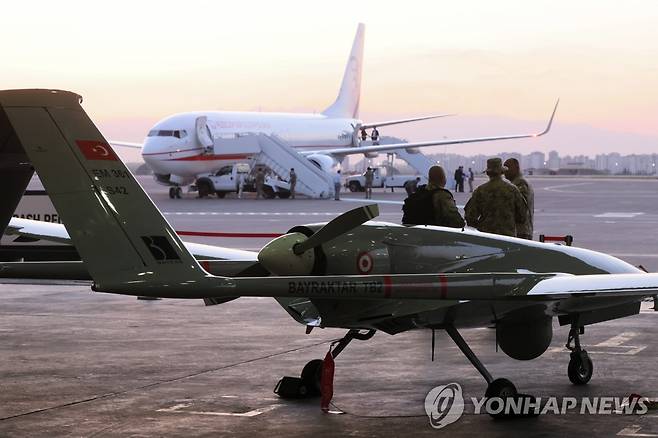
[
  {"x": 460, "y": 179},
  {"x": 496, "y": 206},
  {"x": 471, "y": 178},
  {"x": 374, "y": 136},
  {"x": 260, "y": 182},
  {"x": 240, "y": 184},
  {"x": 432, "y": 204},
  {"x": 369, "y": 177},
  {"x": 337, "y": 184},
  {"x": 293, "y": 182},
  {"x": 514, "y": 175}
]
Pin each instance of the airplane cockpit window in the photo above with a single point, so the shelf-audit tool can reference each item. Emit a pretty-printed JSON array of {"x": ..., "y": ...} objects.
[{"x": 167, "y": 133}]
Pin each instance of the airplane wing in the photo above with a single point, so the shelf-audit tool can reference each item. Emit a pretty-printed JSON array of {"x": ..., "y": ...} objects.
[
  {"x": 39, "y": 230},
  {"x": 598, "y": 291},
  {"x": 455, "y": 286},
  {"x": 400, "y": 121},
  {"x": 390, "y": 147},
  {"x": 214, "y": 259},
  {"x": 126, "y": 144},
  {"x": 57, "y": 233}
]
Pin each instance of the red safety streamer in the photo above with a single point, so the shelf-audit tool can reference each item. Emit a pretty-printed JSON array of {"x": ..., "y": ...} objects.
[
  {"x": 327, "y": 382},
  {"x": 218, "y": 234}
]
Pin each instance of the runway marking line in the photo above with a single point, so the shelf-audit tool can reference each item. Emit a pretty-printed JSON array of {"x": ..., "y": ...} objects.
[
  {"x": 179, "y": 408},
  {"x": 372, "y": 201},
  {"x": 616, "y": 342},
  {"x": 620, "y": 214},
  {"x": 634, "y": 432},
  {"x": 379, "y": 201},
  {"x": 561, "y": 186}
]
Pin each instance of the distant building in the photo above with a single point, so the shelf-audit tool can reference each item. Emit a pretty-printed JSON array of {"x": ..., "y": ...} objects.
[
  {"x": 553, "y": 160},
  {"x": 536, "y": 160},
  {"x": 537, "y": 163}
]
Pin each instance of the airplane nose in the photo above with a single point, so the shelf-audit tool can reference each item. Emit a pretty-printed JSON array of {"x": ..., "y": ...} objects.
[
  {"x": 149, "y": 147},
  {"x": 155, "y": 150}
]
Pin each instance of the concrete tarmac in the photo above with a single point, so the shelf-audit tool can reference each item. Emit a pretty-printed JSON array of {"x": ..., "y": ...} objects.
[{"x": 78, "y": 363}]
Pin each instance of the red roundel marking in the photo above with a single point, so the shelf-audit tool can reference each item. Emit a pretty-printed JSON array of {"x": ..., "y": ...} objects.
[
  {"x": 205, "y": 264},
  {"x": 364, "y": 263}
]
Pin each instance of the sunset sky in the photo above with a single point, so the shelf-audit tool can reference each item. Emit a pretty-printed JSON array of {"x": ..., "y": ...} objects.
[{"x": 499, "y": 65}]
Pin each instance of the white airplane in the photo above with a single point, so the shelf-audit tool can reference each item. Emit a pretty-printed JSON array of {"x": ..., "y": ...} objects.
[{"x": 180, "y": 147}]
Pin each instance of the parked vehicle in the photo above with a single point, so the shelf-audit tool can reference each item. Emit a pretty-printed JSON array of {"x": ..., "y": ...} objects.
[
  {"x": 357, "y": 183},
  {"x": 228, "y": 178}
]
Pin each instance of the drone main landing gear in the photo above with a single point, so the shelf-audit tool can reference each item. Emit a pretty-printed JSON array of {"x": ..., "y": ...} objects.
[
  {"x": 309, "y": 383},
  {"x": 496, "y": 388},
  {"x": 580, "y": 368}
]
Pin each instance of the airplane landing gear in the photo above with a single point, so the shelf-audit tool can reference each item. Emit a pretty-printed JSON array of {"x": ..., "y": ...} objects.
[
  {"x": 175, "y": 192},
  {"x": 496, "y": 388},
  {"x": 502, "y": 388},
  {"x": 580, "y": 368},
  {"x": 309, "y": 383}
]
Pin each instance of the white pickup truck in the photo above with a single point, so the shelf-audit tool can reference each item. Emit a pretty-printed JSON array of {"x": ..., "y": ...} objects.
[
  {"x": 227, "y": 180},
  {"x": 357, "y": 183}
]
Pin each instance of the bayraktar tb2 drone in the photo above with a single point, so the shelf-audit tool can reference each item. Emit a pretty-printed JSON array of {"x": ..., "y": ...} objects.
[{"x": 350, "y": 273}]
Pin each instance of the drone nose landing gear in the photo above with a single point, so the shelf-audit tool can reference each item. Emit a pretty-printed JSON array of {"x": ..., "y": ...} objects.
[{"x": 309, "y": 383}]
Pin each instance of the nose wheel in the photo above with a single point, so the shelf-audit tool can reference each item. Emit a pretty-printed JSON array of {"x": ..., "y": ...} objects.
[
  {"x": 309, "y": 382},
  {"x": 580, "y": 368},
  {"x": 175, "y": 192}
]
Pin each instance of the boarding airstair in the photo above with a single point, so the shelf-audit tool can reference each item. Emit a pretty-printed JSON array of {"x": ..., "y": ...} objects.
[
  {"x": 280, "y": 157},
  {"x": 416, "y": 160}
]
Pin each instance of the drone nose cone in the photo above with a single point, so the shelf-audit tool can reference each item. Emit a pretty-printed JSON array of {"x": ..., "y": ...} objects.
[{"x": 279, "y": 259}]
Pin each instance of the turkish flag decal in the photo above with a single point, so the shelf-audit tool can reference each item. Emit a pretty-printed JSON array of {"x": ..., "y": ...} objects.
[{"x": 96, "y": 150}]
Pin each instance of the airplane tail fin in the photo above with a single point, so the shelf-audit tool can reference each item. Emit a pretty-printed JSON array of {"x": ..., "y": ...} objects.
[
  {"x": 347, "y": 102},
  {"x": 118, "y": 231}
]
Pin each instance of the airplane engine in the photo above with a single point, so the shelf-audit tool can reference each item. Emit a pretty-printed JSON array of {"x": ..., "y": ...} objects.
[
  {"x": 324, "y": 162},
  {"x": 527, "y": 339}
]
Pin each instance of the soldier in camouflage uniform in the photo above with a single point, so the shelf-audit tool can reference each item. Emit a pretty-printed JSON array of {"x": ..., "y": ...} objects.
[
  {"x": 514, "y": 175},
  {"x": 369, "y": 177},
  {"x": 496, "y": 206},
  {"x": 445, "y": 209}
]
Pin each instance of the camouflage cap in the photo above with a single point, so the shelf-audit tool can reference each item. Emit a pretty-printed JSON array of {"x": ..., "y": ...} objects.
[{"x": 495, "y": 165}]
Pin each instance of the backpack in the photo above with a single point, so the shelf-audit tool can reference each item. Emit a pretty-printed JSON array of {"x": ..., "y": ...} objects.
[{"x": 418, "y": 208}]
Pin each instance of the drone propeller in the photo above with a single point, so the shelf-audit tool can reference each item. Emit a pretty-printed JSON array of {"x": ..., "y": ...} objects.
[
  {"x": 289, "y": 254},
  {"x": 339, "y": 225}
]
